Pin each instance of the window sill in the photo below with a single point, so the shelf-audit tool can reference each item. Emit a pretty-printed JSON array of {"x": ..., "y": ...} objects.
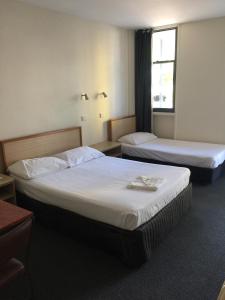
[{"x": 166, "y": 114}]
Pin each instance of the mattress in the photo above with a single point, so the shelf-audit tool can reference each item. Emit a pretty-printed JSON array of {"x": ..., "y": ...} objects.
[
  {"x": 203, "y": 155},
  {"x": 97, "y": 190}
]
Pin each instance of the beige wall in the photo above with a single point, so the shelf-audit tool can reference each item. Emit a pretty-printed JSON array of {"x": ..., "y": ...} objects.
[
  {"x": 200, "y": 88},
  {"x": 47, "y": 59},
  {"x": 163, "y": 125},
  {"x": 201, "y": 81}
]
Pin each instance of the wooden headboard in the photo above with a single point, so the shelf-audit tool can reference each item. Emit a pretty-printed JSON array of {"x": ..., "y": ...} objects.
[
  {"x": 42, "y": 144},
  {"x": 121, "y": 126}
]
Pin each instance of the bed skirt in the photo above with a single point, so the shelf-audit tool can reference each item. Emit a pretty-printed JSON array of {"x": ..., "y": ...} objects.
[
  {"x": 132, "y": 247},
  {"x": 198, "y": 175}
]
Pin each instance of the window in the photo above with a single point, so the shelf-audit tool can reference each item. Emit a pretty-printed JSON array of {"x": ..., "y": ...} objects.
[{"x": 163, "y": 69}]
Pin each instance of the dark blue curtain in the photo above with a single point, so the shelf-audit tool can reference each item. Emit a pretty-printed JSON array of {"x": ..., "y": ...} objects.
[{"x": 143, "y": 79}]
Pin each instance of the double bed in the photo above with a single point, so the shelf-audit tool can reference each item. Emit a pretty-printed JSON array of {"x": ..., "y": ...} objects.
[
  {"x": 205, "y": 160},
  {"x": 91, "y": 201}
]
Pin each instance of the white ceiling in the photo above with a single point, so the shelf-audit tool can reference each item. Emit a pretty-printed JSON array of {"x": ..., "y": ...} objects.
[{"x": 138, "y": 13}]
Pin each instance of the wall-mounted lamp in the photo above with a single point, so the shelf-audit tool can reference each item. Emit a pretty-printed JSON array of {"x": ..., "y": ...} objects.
[
  {"x": 84, "y": 96},
  {"x": 103, "y": 94}
]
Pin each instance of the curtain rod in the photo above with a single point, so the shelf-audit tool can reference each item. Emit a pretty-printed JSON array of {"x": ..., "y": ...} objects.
[{"x": 144, "y": 30}]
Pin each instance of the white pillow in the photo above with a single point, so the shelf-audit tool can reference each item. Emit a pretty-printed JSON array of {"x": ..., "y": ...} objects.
[
  {"x": 137, "y": 138},
  {"x": 37, "y": 167},
  {"x": 79, "y": 155}
]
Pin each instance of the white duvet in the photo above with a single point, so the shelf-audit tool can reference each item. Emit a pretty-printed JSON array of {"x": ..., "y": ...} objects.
[
  {"x": 98, "y": 190},
  {"x": 202, "y": 155}
]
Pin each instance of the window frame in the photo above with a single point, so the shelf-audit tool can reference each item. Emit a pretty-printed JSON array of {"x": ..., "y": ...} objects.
[{"x": 168, "y": 110}]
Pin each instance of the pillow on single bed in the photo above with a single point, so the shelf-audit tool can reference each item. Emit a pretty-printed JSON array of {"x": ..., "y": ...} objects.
[
  {"x": 79, "y": 155},
  {"x": 37, "y": 167},
  {"x": 137, "y": 138}
]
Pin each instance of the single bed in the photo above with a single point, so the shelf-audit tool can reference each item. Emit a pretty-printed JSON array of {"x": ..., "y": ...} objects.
[
  {"x": 91, "y": 201},
  {"x": 205, "y": 160}
]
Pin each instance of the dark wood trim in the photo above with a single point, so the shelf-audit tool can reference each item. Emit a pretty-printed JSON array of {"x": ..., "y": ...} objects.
[
  {"x": 80, "y": 132},
  {"x": 109, "y": 130},
  {"x": 165, "y": 110},
  {"x": 164, "y": 29},
  {"x": 11, "y": 215},
  {"x": 175, "y": 72},
  {"x": 163, "y": 62}
]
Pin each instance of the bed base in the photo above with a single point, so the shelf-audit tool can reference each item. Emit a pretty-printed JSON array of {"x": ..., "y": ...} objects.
[
  {"x": 198, "y": 175},
  {"x": 133, "y": 247}
]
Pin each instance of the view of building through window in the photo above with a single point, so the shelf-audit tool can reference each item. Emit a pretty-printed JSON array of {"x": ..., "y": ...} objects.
[{"x": 163, "y": 69}]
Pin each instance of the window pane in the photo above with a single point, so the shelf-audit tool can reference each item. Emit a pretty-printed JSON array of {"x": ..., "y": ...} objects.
[
  {"x": 162, "y": 85},
  {"x": 163, "y": 45}
]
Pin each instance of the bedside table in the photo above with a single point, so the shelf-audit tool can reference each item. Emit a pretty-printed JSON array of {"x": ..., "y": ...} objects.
[
  {"x": 109, "y": 148},
  {"x": 7, "y": 189}
]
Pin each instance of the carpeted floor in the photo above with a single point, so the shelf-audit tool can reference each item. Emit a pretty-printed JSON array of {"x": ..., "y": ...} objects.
[{"x": 188, "y": 265}]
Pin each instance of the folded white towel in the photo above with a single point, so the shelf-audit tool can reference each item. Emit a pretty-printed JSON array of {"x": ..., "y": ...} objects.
[
  {"x": 146, "y": 183},
  {"x": 140, "y": 186}
]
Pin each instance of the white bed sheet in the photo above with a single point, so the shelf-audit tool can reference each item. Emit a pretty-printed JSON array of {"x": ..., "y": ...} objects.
[
  {"x": 202, "y": 155},
  {"x": 97, "y": 190}
]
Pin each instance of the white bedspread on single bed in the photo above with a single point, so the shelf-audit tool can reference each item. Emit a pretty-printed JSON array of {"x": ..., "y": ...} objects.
[
  {"x": 97, "y": 190},
  {"x": 202, "y": 155}
]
